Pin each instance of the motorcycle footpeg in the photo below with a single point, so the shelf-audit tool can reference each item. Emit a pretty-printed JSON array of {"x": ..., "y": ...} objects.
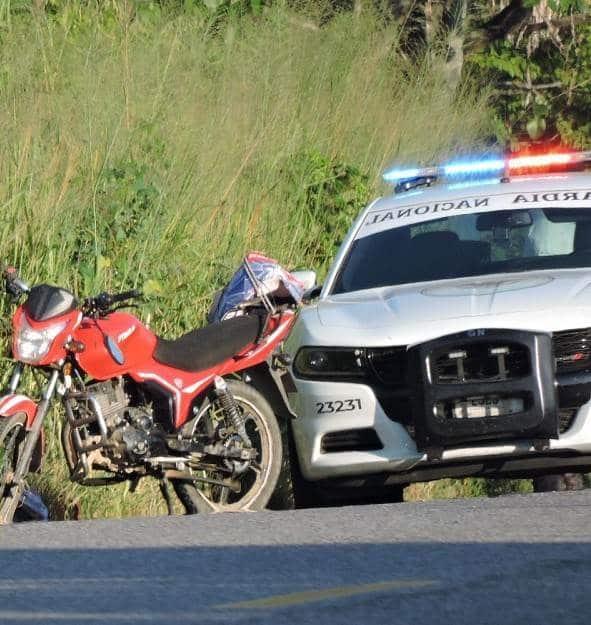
[{"x": 182, "y": 446}]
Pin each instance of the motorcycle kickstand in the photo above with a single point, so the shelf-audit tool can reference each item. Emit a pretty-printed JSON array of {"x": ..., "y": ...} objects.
[
  {"x": 165, "y": 490},
  {"x": 133, "y": 484}
]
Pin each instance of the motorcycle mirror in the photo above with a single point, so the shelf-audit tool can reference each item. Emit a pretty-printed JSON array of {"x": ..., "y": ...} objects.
[
  {"x": 306, "y": 277},
  {"x": 113, "y": 349}
]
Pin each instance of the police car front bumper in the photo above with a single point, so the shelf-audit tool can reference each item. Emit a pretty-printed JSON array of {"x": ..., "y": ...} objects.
[{"x": 327, "y": 409}]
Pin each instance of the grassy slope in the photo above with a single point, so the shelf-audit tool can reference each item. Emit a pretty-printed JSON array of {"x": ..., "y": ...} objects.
[{"x": 162, "y": 149}]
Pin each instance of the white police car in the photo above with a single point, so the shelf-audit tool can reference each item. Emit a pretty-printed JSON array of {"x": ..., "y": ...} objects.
[{"x": 452, "y": 336}]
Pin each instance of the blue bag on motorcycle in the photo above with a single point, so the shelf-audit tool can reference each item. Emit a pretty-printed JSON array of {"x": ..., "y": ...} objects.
[{"x": 258, "y": 277}]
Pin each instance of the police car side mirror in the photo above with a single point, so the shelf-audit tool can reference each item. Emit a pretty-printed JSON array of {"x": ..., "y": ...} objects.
[{"x": 311, "y": 294}]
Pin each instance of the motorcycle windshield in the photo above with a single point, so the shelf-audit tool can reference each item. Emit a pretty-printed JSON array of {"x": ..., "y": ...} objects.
[
  {"x": 273, "y": 279},
  {"x": 46, "y": 302}
]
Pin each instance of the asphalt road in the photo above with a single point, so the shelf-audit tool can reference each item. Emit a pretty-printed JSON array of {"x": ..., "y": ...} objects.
[{"x": 522, "y": 559}]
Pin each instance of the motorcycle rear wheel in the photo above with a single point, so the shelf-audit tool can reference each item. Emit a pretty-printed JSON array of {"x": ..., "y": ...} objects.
[
  {"x": 260, "y": 479},
  {"x": 12, "y": 438}
]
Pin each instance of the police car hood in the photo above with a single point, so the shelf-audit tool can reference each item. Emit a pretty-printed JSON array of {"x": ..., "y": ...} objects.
[{"x": 539, "y": 301}]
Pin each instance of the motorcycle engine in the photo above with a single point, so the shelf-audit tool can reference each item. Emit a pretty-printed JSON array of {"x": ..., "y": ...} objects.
[
  {"x": 129, "y": 425},
  {"x": 134, "y": 430}
]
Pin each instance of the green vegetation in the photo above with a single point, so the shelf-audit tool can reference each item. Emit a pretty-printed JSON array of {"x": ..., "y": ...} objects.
[
  {"x": 152, "y": 144},
  {"x": 540, "y": 64},
  {"x": 471, "y": 487}
]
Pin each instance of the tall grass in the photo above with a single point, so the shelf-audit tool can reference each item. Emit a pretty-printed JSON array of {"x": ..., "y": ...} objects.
[{"x": 154, "y": 150}]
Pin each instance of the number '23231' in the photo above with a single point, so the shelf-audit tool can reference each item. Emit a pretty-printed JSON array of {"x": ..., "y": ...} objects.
[{"x": 345, "y": 405}]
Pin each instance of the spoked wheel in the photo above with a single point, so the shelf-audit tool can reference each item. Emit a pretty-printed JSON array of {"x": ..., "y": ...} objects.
[
  {"x": 12, "y": 438},
  {"x": 256, "y": 483}
]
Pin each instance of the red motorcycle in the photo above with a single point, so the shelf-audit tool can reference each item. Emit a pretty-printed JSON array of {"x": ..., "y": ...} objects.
[{"x": 186, "y": 411}]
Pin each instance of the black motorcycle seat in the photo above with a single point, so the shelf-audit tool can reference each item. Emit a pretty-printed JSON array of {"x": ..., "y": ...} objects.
[{"x": 206, "y": 347}]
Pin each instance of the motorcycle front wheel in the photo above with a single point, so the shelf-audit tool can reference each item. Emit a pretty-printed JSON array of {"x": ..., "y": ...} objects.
[
  {"x": 259, "y": 480},
  {"x": 12, "y": 438}
]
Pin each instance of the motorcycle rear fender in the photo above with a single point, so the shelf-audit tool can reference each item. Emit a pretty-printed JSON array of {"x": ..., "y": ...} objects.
[
  {"x": 13, "y": 404},
  {"x": 270, "y": 382}
]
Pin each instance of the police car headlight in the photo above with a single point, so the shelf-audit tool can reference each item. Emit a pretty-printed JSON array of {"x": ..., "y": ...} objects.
[{"x": 322, "y": 363}]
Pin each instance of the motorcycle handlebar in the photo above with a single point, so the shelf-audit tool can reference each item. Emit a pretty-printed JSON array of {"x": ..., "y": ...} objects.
[
  {"x": 104, "y": 301},
  {"x": 13, "y": 284},
  {"x": 126, "y": 295}
]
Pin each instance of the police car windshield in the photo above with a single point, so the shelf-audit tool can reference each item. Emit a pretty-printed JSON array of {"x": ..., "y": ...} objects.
[{"x": 475, "y": 244}]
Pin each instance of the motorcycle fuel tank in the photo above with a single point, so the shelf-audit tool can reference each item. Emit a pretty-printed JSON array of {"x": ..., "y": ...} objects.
[{"x": 114, "y": 345}]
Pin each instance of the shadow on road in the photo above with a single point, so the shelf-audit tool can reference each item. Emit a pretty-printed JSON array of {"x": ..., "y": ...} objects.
[{"x": 420, "y": 583}]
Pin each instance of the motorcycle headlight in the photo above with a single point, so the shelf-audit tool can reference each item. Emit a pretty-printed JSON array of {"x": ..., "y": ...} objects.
[
  {"x": 31, "y": 344},
  {"x": 322, "y": 363}
]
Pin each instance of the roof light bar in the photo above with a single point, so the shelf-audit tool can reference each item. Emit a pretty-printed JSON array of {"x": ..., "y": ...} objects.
[{"x": 494, "y": 165}]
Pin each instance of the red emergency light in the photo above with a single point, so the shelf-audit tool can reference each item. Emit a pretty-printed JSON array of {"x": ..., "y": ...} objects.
[{"x": 546, "y": 162}]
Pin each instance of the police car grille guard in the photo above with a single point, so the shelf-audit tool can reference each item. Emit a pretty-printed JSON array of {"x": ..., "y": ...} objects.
[
  {"x": 526, "y": 379},
  {"x": 480, "y": 362}
]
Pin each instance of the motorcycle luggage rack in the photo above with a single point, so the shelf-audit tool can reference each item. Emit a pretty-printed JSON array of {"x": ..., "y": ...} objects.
[
  {"x": 258, "y": 287},
  {"x": 260, "y": 291}
]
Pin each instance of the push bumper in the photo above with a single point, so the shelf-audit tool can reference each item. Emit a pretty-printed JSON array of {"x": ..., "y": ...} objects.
[{"x": 399, "y": 452}]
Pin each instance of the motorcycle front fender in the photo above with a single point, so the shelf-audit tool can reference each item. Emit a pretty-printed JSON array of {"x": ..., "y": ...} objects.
[{"x": 13, "y": 404}]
